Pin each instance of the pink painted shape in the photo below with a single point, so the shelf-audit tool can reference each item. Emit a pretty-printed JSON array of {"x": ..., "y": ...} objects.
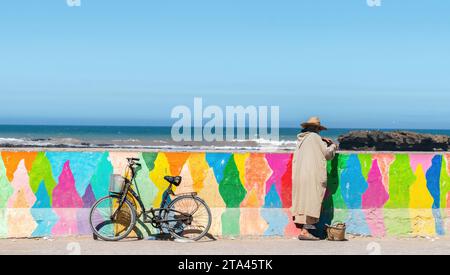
[
  {"x": 68, "y": 222},
  {"x": 23, "y": 196},
  {"x": 65, "y": 194},
  {"x": 384, "y": 162},
  {"x": 373, "y": 201},
  {"x": 290, "y": 230},
  {"x": 376, "y": 195},
  {"x": 423, "y": 159},
  {"x": 279, "y": 164},
  {"x": 375, "y": 221}
]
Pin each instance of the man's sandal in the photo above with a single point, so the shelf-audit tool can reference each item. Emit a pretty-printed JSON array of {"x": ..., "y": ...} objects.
[{"x": 308, "y": 237}]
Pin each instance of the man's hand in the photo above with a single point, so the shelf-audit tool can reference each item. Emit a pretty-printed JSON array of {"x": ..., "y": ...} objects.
[{"x": 328, "y": 141}]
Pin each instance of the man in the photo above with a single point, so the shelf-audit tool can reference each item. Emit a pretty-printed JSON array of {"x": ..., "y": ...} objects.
[{"x": 309, "y": 176}]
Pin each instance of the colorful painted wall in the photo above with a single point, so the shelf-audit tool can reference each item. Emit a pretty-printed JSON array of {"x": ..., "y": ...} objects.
[{"x": 50, "y": 193}]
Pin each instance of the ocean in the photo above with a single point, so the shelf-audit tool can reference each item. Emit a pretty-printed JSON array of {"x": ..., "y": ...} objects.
[{"x": 146, "y": 138}]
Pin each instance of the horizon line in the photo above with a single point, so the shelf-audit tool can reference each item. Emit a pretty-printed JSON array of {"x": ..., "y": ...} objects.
[{"x": 168, "y": 126}]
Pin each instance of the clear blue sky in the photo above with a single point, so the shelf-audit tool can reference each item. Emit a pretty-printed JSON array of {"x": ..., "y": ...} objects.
[{"x": 129, "y": 62}]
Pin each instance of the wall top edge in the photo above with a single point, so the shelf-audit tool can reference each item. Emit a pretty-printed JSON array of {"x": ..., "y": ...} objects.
[{"x": 30, "y": 149}]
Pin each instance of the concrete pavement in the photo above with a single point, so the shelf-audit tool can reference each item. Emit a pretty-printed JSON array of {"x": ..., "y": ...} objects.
[{"x": 261, "y": 246}]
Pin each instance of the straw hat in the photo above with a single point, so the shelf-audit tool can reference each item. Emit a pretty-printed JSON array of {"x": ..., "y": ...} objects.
[{"x": 313, "y": 121}]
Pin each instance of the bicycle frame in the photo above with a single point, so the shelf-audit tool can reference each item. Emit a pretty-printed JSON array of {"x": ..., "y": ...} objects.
[{"x": 156, "y": 218}]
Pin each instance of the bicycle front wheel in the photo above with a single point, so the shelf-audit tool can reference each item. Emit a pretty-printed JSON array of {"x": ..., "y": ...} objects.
[
  {"x": 110, "y": 223},
  {"x": 188, "y": 217}
]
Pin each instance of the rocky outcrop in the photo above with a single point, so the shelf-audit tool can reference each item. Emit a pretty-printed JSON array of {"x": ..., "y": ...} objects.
[{"x": 393, "y": 141}]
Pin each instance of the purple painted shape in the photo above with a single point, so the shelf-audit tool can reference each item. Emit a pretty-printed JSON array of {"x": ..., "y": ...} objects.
[
  {"x": 88, "y": 197},
  {"x": 84, "y": 228},
  {"x": 65, "y": 194},
  {"x": 376, "y": 195},
  {"x": 279, "y": 164}
]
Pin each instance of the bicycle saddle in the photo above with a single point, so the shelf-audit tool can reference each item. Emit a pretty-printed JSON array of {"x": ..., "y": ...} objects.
[{"x": 173, "y": 180}]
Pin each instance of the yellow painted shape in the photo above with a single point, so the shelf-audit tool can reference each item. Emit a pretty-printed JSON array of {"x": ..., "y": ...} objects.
[
  {"x": 422, "y": 222},
  {"x": 421, "y": 201},
  {"x": 251, "y": 200},
  {"x": 198, "y": 167},
  {"x": 21, "y": 223},
  {"x": 21, "y": 200},
  {"x": 420, "y": 197},
  {"x": 161, "y": 169},
  {"x": 210, "y": 192},
  {"x": 240, "y": 160}
]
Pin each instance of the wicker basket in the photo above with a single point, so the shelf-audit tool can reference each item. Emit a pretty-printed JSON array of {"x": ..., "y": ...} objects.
[
  {"x": 336, "y": 232},
  {"x": 116, "y": 184}
]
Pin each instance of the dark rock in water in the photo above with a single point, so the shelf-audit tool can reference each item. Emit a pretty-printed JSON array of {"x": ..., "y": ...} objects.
[{"x": 393, "y": 141}]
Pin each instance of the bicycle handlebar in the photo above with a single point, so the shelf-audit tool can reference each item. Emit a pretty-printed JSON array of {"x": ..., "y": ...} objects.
[{"x": 133, "y": 159}]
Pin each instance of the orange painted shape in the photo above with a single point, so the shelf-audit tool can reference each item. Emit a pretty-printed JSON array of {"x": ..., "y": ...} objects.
[
  {"x": 12, "y": 160},
  {"x": 257, "y": 172},
  {"x": 252, "y": 224},
  {"x": 176, "y": 162},
  {"x": 384, "y": 163},
  {"x": 198, "y": 167}
]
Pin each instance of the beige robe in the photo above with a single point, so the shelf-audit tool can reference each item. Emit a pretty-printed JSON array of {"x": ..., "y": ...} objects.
[{"x": 309, "y": 177}]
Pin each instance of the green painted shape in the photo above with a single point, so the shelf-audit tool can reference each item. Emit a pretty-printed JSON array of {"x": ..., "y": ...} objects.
[
  {"x": 149, "y": 159},
  {"x": 6, "y": 190},
  {"x": 230, "y": 222},
  {"x": 334, "y": 197},
  {"x": 101, "y": 178},
  {"x": 401, "y": 177},
  {"x": 144, "y": 186},
  {"x": 41, "y": 171},
  {"x": 396, "y": 211},
  {"x": 3, "y": 223},
  {"x": 444, "y": 184},
  {"x": 398, "y": 222},
  {"x": 366, "y": 164},
  {"x": 339, "y": 202},
  {"x": 340, "y": 215},
  {"x": 230, "y": 188}
]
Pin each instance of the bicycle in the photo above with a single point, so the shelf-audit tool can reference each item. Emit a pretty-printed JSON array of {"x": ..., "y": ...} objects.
[{"x": 113, "y": 218}]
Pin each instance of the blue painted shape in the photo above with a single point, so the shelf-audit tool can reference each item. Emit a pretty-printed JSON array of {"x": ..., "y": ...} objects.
[
  {"x": 42, "y": 213},
  {"x": 433, "y": 177},
  {"x": 276, "y": 219},
  {"x": 82, "y": 164},
  {"x": 439, "y": 223},
  {"x": 218, "y": 162},
  {"x": 42, "y": 197},
  {"x": 102, "y": 176},
  {"x": 272, "y": 199},
  {"x": 357, "y": 224},
  {"x": 353, "y": 184}
]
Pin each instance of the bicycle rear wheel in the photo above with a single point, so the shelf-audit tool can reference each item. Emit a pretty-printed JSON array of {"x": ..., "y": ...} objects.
[
  {"x": 110, "y": 228},
  {"x": 189, "y": 218}
]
